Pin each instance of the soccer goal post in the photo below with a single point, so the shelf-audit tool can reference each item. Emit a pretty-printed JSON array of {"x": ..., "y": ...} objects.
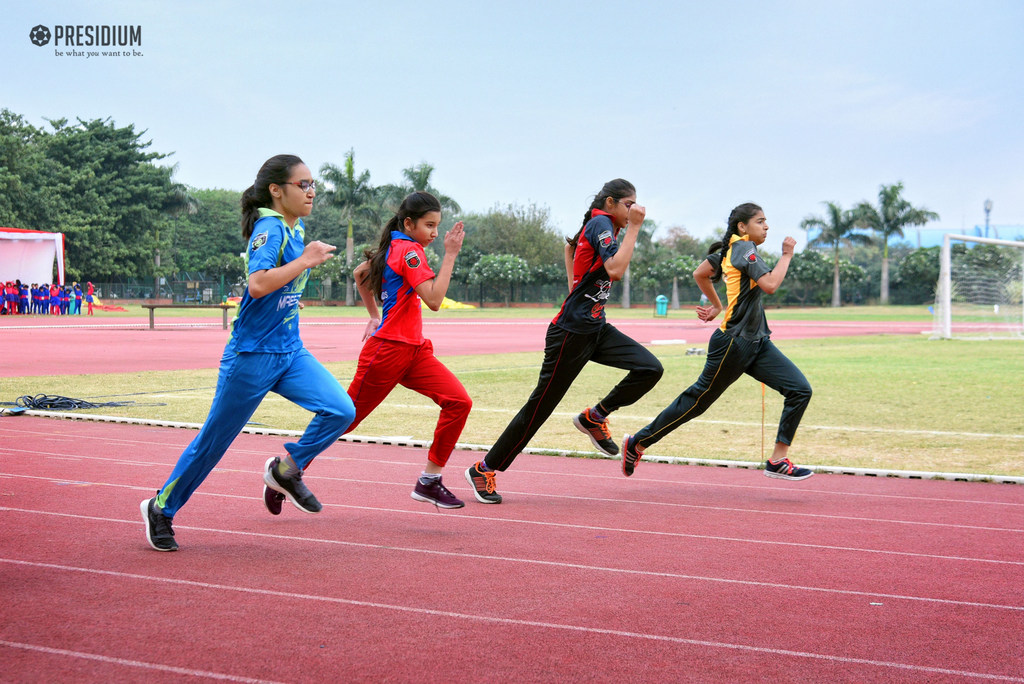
[{"x": 983, "y": 301}]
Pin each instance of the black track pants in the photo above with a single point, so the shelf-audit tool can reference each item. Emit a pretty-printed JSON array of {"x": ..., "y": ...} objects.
[
  {"x": 565, "y": 355},
  {"x": 728, "y": 358}
]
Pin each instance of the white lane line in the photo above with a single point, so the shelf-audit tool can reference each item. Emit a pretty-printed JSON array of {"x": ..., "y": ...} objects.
[
  {"x": 358, "y": 439},
  {"x": 528, "y": 623},
  {"x": 516, "y": 559},
  {"x": 132, "y": 663},
  {"x": 631, "y": 502}
]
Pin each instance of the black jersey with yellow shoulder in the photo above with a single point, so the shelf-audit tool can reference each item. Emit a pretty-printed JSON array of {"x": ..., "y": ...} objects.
[{"x": 741, "y": 268}]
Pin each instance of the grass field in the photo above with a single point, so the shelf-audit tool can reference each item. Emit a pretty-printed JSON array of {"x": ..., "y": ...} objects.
[
  {"x": 847, "y": 313},
  {"x": 889, "y": 402}
]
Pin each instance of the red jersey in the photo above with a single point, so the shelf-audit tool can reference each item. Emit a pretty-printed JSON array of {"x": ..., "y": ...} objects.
[{"x": 405, "y": 268}]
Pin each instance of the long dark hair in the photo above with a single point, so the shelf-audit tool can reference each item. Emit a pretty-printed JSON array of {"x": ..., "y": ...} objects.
[
  {"x": 616, "y": 189},
  {"x": 741, "y": 214},
  {"x": 415, "y": 206},
  {"x": 275, "y": 170}
]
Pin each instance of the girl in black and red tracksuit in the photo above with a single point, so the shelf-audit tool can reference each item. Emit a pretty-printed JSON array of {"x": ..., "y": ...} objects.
[
  {"x": 741, "y": 344},
  {"x": 594, "y": 259}
]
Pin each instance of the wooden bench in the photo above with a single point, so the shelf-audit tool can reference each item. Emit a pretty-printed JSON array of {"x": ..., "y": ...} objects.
[{"x": 153, "y": 307}]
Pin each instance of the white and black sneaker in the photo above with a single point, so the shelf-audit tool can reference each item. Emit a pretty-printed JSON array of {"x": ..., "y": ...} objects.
[
  {"x": 292, "y": 487},
  {"x": 159, "y": 532}
]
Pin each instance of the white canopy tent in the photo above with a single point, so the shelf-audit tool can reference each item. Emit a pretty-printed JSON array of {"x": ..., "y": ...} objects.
[{"x": 28, "y": 255}]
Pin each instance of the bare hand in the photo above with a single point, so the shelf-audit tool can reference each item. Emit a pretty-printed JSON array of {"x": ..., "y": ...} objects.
[
  {"x": 371, "y": 327},
  {"x": 317, "y": 252},
  {"x": 453, "y": 238},
  {"x": 636, "y": 216},
  {"x": 788, "y": 246},
  {"x": 708, "y": 313}
]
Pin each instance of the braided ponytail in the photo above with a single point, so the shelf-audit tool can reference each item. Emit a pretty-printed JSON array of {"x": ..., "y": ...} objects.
[{"x": 740, "y": 214}]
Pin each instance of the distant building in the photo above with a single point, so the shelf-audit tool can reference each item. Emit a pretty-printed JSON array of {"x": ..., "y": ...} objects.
[{"x": 932, "y": 237}]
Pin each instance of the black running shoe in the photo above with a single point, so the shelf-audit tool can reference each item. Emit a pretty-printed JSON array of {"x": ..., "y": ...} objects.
[
  {"x": 292, "y": 487},
  {"x": 437, "y": 494},
  {"x": 483, "y": 483},
  {"x": 631, "y": 454},
  {"x": 159, "y": 533},
  {"x": 272, "y": 500},
  {"x": 597, "y": 431},
  {"x": 784, "y": 470}
]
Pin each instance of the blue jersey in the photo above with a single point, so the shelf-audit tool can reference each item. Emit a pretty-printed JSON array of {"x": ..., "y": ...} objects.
[{"x": 271, "y": 323}]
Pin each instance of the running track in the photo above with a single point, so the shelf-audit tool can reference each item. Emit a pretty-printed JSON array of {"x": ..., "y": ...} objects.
[{"x": 676, "y": 574}]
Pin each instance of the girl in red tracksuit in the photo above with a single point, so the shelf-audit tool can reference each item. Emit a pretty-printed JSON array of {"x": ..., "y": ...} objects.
[{"x": 397, "y": 277}]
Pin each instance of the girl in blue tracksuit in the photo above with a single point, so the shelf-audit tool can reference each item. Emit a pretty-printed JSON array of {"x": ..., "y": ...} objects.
[{"x": 264, "y": 353}]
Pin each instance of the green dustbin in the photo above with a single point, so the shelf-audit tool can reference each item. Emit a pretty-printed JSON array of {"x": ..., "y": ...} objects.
[{"x": 661, "y": 305}]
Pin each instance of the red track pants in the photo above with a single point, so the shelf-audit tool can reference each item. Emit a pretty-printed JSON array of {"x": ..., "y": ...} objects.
[{"x": 386, "y": 363}]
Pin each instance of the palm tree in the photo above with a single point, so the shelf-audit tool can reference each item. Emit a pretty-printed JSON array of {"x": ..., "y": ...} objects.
[
  {"x": 354, "y": 196},
  {"x": 417, "y": 179},
  {"x": 888, "y": 219},
  {"x": 837, "y": 227}
]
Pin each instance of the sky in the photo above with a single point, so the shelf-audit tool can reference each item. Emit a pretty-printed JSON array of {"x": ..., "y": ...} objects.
[{"x": 702, "y": 106}]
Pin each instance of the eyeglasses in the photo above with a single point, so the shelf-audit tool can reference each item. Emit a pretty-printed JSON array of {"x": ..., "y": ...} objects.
[{"x": 304, "y": 185}]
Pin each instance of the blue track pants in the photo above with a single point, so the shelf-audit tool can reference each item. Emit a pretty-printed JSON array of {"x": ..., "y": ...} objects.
[{"x": 244, "y": 379}]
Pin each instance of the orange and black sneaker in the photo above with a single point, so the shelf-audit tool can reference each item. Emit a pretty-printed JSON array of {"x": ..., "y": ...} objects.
[
  {"x": 483, "y": 483},
  {"x": 631, "y": 454},
  {"x": 598, "y": 431}
]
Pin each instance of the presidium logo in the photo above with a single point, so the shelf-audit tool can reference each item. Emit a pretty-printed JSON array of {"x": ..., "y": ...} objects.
[
  {"x": 40, "y": 35},
  {"x": 104, "y": 40}
]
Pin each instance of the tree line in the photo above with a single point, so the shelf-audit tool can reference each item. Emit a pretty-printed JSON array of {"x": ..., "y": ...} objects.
[{"x": 125, "y": 216}]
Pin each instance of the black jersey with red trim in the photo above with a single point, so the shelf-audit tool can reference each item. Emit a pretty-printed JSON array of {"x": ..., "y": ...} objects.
[
  {"x": 583, "y": 310},
  {"x": 741, "y": 269}
]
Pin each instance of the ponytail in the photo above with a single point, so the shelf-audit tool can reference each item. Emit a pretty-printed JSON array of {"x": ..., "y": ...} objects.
[
  {"x": 616, "y": 189},
  {"x": 740, "y": 214},
  {"x": 275, "y": 170},
  {"x": 415, "y": 206}
]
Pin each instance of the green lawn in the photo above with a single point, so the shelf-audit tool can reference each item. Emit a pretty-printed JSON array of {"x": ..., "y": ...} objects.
[
  {"x": 890, "y": 402},
  {"x": 846, "y": 313}
]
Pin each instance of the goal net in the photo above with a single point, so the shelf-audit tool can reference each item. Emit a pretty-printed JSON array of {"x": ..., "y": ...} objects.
[{"x": 979, "y": 294}]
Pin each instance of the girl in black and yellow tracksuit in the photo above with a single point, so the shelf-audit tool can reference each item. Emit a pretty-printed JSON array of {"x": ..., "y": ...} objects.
[{"x": 740, "y": 345}]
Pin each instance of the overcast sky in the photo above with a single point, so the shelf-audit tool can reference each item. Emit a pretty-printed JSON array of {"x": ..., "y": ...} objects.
[{"x": 701, "y": 105}]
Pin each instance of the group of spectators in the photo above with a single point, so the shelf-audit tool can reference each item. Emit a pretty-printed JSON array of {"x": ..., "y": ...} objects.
[{"x": 47, "y": 298}]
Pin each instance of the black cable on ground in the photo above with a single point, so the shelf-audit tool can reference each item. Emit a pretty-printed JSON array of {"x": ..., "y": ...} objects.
[{"x": 52, "y": 402}]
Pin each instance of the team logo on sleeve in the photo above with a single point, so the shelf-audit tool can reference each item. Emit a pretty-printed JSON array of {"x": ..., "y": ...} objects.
[
  {"x": 605, "y": 238},
  {"x": 752, "y": 257},
  {"x": 412, "y": 259},
  {"x": 258, "y": 241}
]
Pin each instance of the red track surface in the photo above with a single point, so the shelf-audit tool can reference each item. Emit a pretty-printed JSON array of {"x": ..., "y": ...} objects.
[
  {"x": 77, "y": 346},
  {"x": 676, "y": 574}
]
